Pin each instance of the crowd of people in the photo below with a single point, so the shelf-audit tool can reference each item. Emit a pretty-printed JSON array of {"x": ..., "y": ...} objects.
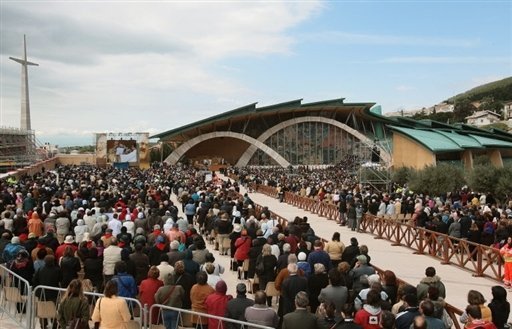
[
  {"x": 118, "y": 232},
  {"x": 478, "y": 217}
]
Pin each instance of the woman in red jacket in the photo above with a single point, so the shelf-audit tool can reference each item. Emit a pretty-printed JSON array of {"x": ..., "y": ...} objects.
[
  {"x": 148, "y": 289},
  {"x": 243, "y": 245},
  {"x": 216, "y": 304}
]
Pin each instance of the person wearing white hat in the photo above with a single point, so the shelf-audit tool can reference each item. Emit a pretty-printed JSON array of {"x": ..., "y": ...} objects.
[
  {"x": 12, "y": 249},
  {"x": 80, "y": 229},
  {"x": 62, "y": 225},
  {"x": 68, "y": 242},
  {"x": 130, "y": 226}
]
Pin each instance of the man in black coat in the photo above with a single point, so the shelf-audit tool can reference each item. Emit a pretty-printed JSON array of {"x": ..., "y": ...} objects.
[
  {"x": 235, "y": 308},
  {"x": 290, "y": 287},
  {"x": 351, "y": 252}
]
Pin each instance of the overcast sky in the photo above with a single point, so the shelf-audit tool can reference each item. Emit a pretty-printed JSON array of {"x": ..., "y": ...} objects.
[{"x": 133, "y": 66}]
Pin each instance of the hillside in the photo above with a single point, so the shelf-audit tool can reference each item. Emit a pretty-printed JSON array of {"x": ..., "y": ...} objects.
[{"x": 500, "y": 90}]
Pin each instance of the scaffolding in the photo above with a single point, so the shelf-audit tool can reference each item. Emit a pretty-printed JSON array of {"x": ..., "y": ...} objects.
[
  {"x": 17, "y": 148},
  {"x": 373, "y": 172}
]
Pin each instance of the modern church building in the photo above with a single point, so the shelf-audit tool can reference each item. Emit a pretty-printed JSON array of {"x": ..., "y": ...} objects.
[{"x": 325, "y": 133}]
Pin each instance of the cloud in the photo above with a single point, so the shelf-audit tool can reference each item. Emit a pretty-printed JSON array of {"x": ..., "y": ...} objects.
[
  {"x": 340, "y": 37},
  {"x": 106, "y": 65}
]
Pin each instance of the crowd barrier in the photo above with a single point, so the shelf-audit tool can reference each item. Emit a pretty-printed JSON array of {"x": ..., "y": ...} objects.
[
  {"x": 46, "y": 308},
  {"x": 480, "y": 259},
  {"x": 188, "y": 318},
  {"x": 15, "y": 297}
]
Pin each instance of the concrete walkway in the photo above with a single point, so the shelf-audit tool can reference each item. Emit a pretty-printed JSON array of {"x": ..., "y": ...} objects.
[{"x": 401, "y": 260}]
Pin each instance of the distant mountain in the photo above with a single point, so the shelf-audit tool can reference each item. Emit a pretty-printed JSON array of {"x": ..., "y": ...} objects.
[{"x": 500, "y": 90}]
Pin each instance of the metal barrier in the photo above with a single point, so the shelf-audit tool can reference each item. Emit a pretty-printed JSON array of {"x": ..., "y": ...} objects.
[
  {"x": 15, "y": 297},
  {"x": 46, "y": 308},
  {"x": 187, "y": 318}
]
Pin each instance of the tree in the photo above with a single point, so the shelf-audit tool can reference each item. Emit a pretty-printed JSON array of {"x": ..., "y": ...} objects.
[
  {"x": 437, "y": 180},
  {"x": 483, "y": 178},
  {"x": 502, "y": 190},
  {"x": 401, "y": 175},
  {"x": 463, "y": 109},
  {"x": 490, "y": 104}
]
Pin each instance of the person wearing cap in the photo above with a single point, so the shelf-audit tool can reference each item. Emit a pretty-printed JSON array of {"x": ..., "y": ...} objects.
[
  {"x": 68, "y": 242},
  {"x": 216, "y": 303},
  {"x": 236, "y": 307},
  {"x": 22, "y": 266},
  {"x": 260, "y": 313},
  {"x": 31, "y": 242},
  {"x": 80, "y": 229},
  {"x": 129, "y": 224},
  {"x": 361, "y": 268},
  {"x": 160, "y": 247},
  {"x": 303, "y": 264}
]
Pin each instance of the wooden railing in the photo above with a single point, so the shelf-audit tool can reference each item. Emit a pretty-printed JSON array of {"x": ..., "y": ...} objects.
[
  {"x": 480, "y": 259},
  {"x": 369, "y": 225}
]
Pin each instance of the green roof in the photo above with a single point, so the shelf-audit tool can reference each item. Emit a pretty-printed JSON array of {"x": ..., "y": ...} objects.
[
  {"x": 432, "y": 140},
  {"x": 461, "y": 140},
  {"x": 252, "y": 109},
  {"x": 447, "y": 141},
  {"x": 491, "y": 142}
]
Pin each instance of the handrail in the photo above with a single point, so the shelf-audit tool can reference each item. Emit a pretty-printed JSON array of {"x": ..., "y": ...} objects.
[
  {"x": 6, "y": 275},
  {"x": 95, "y": 295},
  {"x": 242, "y": 324},
  {"x": 375, "y": 225},
  {"x": 480, "y": 259}
]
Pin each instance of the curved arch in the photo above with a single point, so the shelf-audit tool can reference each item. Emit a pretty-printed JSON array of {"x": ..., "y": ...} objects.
[
  {"x": 246, "y": 157},
  {"x": 176, "y": 155}
]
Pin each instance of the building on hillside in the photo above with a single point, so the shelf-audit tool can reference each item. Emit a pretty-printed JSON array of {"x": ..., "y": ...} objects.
[
  {"x": 325, "y": 133},
  {"x": 443, "y": 108},
  {"x": 507, "y": 110},
  {"x": 482, "y": 118}
]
